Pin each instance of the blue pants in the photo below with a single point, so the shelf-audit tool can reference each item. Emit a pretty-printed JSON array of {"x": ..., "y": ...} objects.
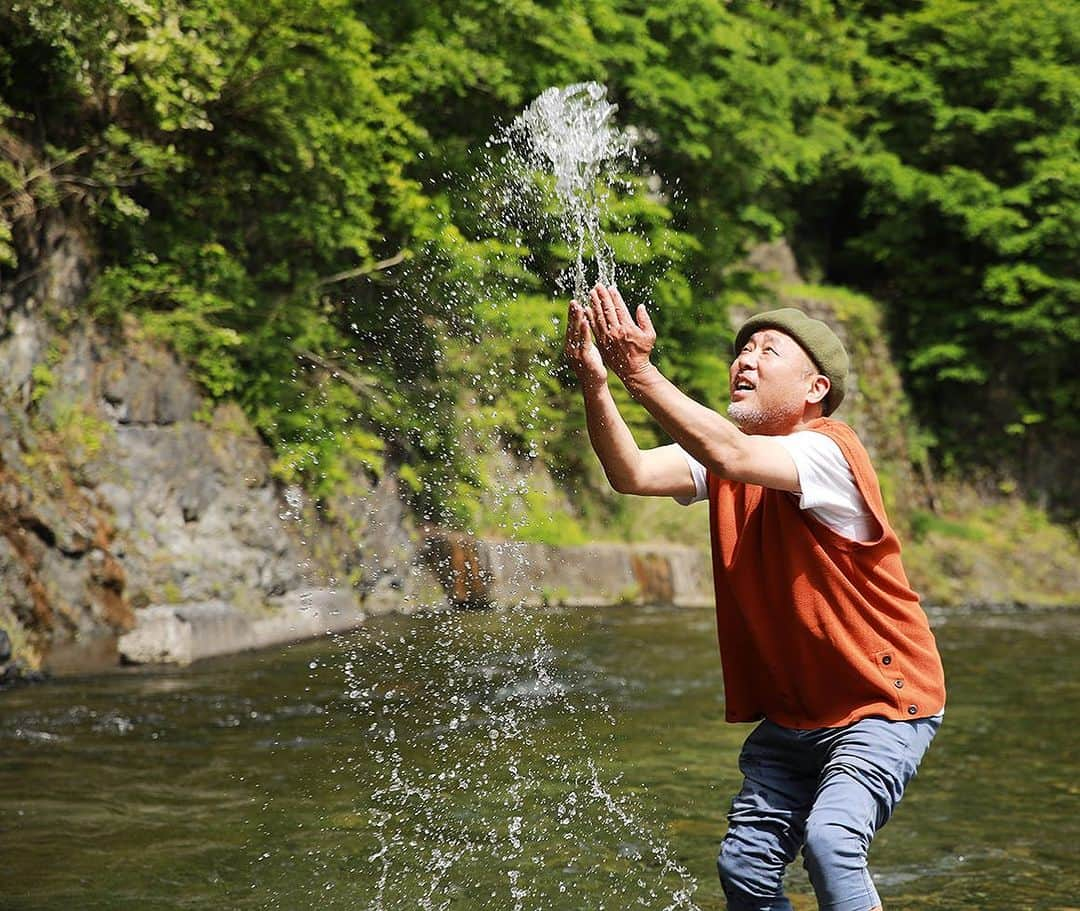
[{"x": 826, "y": 791}]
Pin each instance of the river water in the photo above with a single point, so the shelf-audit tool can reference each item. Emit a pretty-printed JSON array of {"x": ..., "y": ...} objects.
[{"x": 569, "y": 759}]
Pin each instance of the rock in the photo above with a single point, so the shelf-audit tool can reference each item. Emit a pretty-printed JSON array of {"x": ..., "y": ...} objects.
[
  {"x": 16, "y": 599},
  {"x": 197, "y": 493},
  {"x": 59, "y": 523},
  {"x": 20, "y": 351},
  {"x": 464, "y": 571},
  {"x": 55, "y": 270},
  {"x": 384, "y": 552},
  {"x": 777, "y": 258},
  {"x": 19, "y": 672},
  {"x": 148, "y": 388},
  {"x": 5, "y": 647},
  {"x": 176, "y": 398},
  {"x": 160, "y": 636},
  {"x": 135, "y": 519}
]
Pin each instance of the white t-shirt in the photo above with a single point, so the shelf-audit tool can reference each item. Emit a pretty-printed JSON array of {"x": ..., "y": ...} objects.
[{"x": 827, "y": 488}]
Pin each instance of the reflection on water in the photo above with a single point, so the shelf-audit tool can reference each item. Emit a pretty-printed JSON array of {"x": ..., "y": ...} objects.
[{"x": 363, "y": 773}]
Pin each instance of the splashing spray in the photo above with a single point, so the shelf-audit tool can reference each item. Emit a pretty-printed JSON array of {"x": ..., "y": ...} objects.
[{"x": 568, "y": 135}]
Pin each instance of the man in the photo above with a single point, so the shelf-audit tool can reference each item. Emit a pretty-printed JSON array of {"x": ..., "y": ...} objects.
[{"x": 821, "y": 638}]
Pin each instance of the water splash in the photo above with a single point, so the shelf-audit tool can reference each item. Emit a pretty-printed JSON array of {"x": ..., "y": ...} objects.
[
  {"x": 474, "y": 799},
  {"x": 568, "y": 134},
  {"x": 467, "y": 797}
]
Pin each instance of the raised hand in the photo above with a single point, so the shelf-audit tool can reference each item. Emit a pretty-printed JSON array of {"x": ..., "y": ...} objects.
[
  {"x": 625, "y": 343},
  {"x": 581, "y": 353}
]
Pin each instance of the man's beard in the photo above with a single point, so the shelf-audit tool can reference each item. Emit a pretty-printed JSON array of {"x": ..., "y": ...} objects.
[{"x": 755, "y": 419}]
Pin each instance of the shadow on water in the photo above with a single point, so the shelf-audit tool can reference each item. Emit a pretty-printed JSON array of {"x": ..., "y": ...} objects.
[{"x": 362, "y": 772}]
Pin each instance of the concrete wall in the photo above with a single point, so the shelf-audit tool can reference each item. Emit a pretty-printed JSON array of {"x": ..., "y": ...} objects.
[{"x": 477, "y": 572}]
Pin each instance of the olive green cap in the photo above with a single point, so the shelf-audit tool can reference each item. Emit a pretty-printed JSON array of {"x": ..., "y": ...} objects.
[{"x": 815, "y": 338}]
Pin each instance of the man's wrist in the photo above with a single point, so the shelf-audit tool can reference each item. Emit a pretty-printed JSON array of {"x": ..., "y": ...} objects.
[
  {"x": 641, "y": 378},
  {"x": 593, "y": 385}
]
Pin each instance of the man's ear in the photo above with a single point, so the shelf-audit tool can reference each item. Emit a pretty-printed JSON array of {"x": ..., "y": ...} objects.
[{"x": 819, "y": 388}]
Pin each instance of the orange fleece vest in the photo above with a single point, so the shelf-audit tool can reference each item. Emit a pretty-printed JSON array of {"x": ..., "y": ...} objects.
[{"x": 816, "y": 630}]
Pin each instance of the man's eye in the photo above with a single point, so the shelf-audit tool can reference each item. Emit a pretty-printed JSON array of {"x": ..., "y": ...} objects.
[{"x": 770, "y": 348}]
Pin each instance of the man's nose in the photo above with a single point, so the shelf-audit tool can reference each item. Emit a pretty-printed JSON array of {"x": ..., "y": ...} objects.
[{"x": 747, "y": 360}]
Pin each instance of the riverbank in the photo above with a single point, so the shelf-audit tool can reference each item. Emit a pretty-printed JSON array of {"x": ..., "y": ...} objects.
[{"x": 472, "y": 574}]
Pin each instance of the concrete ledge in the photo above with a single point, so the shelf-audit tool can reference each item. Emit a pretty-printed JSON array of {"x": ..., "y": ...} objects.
[
  {"x": 182, "y": 633},
  {"x": 472, "y": 572}
]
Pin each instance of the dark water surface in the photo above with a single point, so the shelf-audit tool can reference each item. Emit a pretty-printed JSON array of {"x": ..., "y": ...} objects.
[{"x": 561, "y": 760}]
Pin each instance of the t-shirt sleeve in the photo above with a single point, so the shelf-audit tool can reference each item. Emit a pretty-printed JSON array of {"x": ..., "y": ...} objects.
[
  {"x": 701, "y": 486},
  {"x": 827, "y": 486}
]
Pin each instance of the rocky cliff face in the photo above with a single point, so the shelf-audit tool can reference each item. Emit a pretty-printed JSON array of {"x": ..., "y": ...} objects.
[
  {"x": 122, "y": 490},
  {"x": 61, "y": 577}
]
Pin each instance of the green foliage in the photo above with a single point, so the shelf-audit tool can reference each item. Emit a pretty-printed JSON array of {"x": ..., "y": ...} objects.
[
  {"x": 8, "y": 255},
  {"x": 44, "y": 380},
  {"x": 535, "y": 520},
  {"x": 968, "y": 553},
  {"x": 964, "y": 196},
  {"x": 281, "y": 190},
  {"x": 923, "y": 523},
  {"x": 81, "y": 432}
]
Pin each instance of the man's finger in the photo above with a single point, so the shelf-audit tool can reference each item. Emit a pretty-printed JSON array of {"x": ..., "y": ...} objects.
[
  {"x": 622, "y": 311},
  {"x": 586, "y": 336},
  {"x": 597, "y": 314},
  {"x": 611, "y": 313},
  {"x": 582, "y": 329},
  {"x": 577, "y": 329},
  {"x": 571, "y": 327},
  {"x": 591, "y": 316},
  {"x": 644, "y": 321}
]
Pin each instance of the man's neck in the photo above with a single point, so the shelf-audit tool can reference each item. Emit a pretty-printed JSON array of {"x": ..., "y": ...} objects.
[
  {"x": 808, "y": 420},
  {"x": 785, "y": 428}
]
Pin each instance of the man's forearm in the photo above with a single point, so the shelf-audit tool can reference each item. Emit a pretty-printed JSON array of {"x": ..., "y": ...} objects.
[
  {"x": 705, "y": 434},
  {"x": 611, "y": 438}
]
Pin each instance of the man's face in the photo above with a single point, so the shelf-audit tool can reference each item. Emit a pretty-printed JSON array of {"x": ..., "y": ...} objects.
[{"x": 770, "y": 380}]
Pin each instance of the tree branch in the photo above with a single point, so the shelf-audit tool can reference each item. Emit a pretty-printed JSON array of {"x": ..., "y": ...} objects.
[
  {"x": 362, "y": 270},
  {"x": 42, "y": 170},
  {"x": 361, "y": 385}
]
